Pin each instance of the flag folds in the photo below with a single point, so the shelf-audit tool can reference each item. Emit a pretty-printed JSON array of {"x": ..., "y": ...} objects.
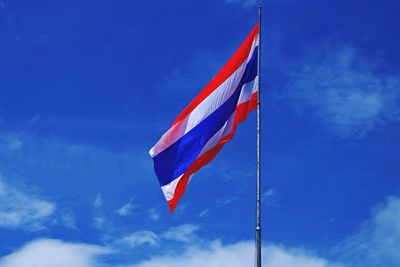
[{"x": 208, "y": 122}]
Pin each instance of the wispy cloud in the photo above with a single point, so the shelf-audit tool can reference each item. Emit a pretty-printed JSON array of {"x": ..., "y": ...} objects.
[
  {"x": 346, "y": 91},
  {"x": 183, "y": 233},
  {"x": 254, "y": 3},
  {"x": 98, "y": 201},
  {"x": 138, "y": 238},
  {"x": 204, "y": 213},
  {"x": 15, "y": 144},
  {"x": 268, "y": 194},
  {"x": 21, "y": 209},
  {"x": 100, "y": 220},
  {"x": 377, "y": 241},
  {"x": 68, "y": 219},
  {"x": 154, "y": 215},
  {"x": 125, "y": 210},
  {"x": 10, "y": 142},
  {"x": 243, "y": 3},
  {"x": 270, "y": 198},
  {"x": 224, "y": 202}
]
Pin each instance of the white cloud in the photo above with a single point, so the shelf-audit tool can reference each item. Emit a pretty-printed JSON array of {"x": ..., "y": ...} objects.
[
  {"x": 15, "y": 144},
  {"x": 268, "y": 194},
  {"x": 19, "y": 209},
  {"x": 126, "y": 209},
  {"x": 183, "y": 233},
  {"x": 154, "y": 215},
  {"x": 10, "y": 142},
  {"x": 98, "y": 201},
  {"x": 275, "y": 256},
  {"x": 344, "y": 90},
  {"x": 270, "y": 198},
  {"x": 374, "y": 244},
  {"x": 252, "y": 3},
  {"x": 51, "y": 253},
  {"x": 54, "y": 253},
  {"x": 138, "y": 238},
  {"x": 237, "y": 255},
  {"x": 204, "y": 213},
  {"x": 100, "y": 220},
  {"x": 68, "y": 220},
  {"x": 377, "y": 242},
  {"x": 243, "y": 3},
  {"x": 225, "y": 201}
]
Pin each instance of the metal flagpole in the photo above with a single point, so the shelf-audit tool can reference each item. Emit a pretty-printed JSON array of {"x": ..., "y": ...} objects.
[{"x": 258, "y": 182}]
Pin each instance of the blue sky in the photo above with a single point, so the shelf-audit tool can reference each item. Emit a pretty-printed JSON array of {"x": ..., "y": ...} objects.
[{"x": 88, "y": 87}]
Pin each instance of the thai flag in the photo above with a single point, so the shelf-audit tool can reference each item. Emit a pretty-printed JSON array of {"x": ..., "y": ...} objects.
[{"x": 208, "y": 122}]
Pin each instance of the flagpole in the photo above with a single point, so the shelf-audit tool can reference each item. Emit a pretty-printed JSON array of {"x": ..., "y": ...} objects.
[{"x": 258, "y": 182}]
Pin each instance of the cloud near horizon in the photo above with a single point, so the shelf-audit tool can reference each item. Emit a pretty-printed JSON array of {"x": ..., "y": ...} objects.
[
  {"x": 53, "y": 252},
  {"x": 374, "y": 243}
]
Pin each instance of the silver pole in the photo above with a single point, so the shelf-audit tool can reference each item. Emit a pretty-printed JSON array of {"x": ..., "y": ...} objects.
[{"x": 258, "y": 182}]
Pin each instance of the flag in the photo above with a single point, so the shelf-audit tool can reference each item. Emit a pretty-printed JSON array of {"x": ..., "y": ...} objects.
[{"x": 208, "y": 122}]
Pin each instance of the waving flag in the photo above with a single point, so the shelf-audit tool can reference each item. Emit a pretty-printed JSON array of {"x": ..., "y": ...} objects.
[{"x": 208, "y": 122}]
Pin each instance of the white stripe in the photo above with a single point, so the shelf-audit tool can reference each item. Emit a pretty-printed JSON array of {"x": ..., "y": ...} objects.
[
  {"x": 247, "y": 90},
  {"x": 169, "y": 189},
  {"x": 245, "y": 96},
  {"x": 255, "y": 42},
  {"x": 204, "y": 109},
  {"x": 215, "y": 99},
  {"x": 219, "y": 96}
]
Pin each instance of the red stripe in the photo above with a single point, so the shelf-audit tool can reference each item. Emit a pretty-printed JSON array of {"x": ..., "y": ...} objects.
[
  {"x": 241, "y": 114},
  {"x": 233, "y": 64}
]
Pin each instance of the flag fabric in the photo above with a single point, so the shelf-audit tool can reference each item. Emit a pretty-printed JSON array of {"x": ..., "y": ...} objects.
[{"x": 208, "y": 122}]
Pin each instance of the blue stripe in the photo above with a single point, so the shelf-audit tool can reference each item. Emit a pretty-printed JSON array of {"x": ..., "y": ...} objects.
[{"x": 177, "y": 158}]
